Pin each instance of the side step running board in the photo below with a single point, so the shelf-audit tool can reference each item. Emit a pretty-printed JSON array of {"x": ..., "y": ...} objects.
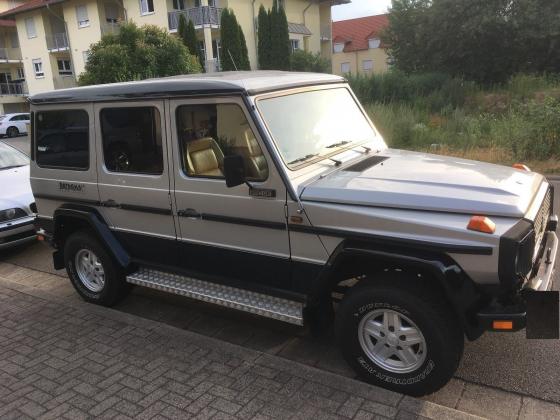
[{"x": 243, "y": 300}]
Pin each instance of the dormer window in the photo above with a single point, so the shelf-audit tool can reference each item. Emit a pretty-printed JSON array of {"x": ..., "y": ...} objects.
[
  {"x": 338, "y": 47},
  {"x": 374, "y": 43}
]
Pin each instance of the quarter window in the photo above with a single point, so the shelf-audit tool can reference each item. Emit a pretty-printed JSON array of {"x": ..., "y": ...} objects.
[
  {"x": 209, "y": 132},
  {"x": 146, "y": 6},
  {"x": 38, "y": 68},
  {"x": 62, "y": 139},
  {"x": 30, "y": 28},
  {"x": 132, "y": 140},
  {"x": 82, "y": 16}
]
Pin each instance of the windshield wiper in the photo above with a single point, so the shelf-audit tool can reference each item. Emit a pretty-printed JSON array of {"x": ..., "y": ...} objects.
[
  {"x": 340, "y": 143},
  {"x": 303, "y": 159}
]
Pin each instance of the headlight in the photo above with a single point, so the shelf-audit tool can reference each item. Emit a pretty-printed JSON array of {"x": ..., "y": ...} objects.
[{"x": 11, "y": 214}]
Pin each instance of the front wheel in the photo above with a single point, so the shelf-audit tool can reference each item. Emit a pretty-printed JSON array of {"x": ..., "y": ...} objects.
[
  {"x": 399, "y": 333},
  {"x": 92, "y": 271}
]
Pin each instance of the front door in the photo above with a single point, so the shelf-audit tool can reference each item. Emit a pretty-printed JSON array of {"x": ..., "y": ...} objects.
[
  {"x": 134, "y": 179},
  {"x": 228, "y": 233}
]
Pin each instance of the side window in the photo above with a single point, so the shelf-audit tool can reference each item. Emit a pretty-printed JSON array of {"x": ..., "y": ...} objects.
[
  {"x": 62, "y": 139},
  {"x": 207, "y": 133},
  {"x": 132, "y": 140}
]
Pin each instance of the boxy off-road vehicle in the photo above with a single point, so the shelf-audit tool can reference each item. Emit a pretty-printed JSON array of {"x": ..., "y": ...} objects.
[{"x": 273, "y": 193}]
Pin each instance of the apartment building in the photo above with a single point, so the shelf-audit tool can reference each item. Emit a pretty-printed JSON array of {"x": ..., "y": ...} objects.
[
  {"x": 13, "y": 89},
  {"x": 357, "y": 46},
  {"x": 54, "y": 36}
]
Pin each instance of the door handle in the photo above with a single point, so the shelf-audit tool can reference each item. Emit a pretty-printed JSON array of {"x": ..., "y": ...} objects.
[
  {"x": 110, "y": 203},
  {"x": 190, "y": 213}
]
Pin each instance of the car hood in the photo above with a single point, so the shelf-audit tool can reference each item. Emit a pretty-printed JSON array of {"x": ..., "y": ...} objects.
[
  {"x": 411, "y": 180},
  {"x": 15, "y": 188}
]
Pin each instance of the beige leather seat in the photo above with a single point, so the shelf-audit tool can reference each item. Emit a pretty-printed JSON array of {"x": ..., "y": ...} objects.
[
  {"x": 257, "y": 167},
  {"x": 204, "y": 158}
]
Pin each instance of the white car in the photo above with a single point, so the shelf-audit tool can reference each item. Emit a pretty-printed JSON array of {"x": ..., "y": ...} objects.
[
  {"x": 17, "y": 207},
  {"x": 12, "y": 125}
]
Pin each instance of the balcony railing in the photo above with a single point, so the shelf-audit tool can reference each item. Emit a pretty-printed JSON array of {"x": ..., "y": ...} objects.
[
  {"x": 57, "y": 42},
  {"x": 7, "y": 54},
  {"x": 13, "y": 88},
  {"x": 200, "y": 16},
  {"x": 110, "y": 28}
]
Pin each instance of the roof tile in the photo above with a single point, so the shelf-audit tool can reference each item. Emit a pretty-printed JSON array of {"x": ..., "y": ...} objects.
[{"x": 355, "y": 33}]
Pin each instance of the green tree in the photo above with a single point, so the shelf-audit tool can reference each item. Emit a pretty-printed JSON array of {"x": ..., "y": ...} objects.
[
  {"x": 482, "y": 40},
  {"x": 280, "y": 38},
  {"x": 187, "y": 33},
  {"x": 264, "y": 46},
  {"x": 137, "y": 53},
  {"x": 234, "y": 48}
]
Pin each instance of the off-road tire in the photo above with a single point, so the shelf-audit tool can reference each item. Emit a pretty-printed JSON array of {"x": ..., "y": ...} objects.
[
  {"x": 12, "y": 132},
  {"x": 115, "y": 287},
  {"x": 423, "y": 303}
]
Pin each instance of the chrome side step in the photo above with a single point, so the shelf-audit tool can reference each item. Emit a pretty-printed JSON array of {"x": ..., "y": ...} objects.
[{"x": 231, "y": 297}]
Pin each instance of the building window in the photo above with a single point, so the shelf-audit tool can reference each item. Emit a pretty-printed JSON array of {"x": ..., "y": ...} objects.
[
  {"x": 295, "y": 44},
  {"x": 367, "y": 65},
  {"x": 64, "y": 67},
  {"x": 62, "y": 139},
  {"x": 38, "y": 68},
  {"x": 345, "y": 68},
  {"x": 111, "y": 13},
  {"x": 338, "y": 47},
  {"x": 374, "y": 43},
  {"x": 85, "y": 55},
  {"x": 179, "y": 4},
  {"x": 146, "y": 7},
  {"x": 82, "y": 16},
  {"x": 14, "y": 40},
  {"x": 132, "y": 140},
  {"x": 30, "y": 28},
  {"x": 20, "y": 73}
]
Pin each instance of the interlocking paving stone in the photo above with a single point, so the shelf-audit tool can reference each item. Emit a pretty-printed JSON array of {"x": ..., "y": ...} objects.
[{"x": 64, "y": 358}]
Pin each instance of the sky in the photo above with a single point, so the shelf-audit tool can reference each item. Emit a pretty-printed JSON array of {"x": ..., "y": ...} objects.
[{"x": 360, "y": 8}]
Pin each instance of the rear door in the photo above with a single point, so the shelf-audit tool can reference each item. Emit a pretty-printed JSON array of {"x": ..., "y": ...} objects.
[{"x": 133, "y": 176}]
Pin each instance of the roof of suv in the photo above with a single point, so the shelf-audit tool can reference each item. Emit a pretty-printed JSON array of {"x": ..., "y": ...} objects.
[{"x": 251, "y": 82}]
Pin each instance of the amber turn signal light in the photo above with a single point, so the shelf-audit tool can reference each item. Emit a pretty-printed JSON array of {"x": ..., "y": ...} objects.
[
  {"x": 502, "y": 325},
  {"x": 481, "y": 224},
  {"x": 521, "y": 167}
]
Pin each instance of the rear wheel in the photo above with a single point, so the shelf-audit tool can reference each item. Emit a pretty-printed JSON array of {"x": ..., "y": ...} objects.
[
  {"x": 93, "y": 272},
  {"x": 12, "y": 132},
  {"x": 398, "y": 332}
]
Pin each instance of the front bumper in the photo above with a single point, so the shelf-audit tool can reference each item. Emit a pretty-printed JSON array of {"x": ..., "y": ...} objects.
[
  {"x": 17, "y": 232},
  {"x": 513, "y": 317}
]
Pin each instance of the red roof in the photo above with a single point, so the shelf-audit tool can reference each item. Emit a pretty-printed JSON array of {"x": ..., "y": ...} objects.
[
  {"x": 28, "y": 5},
  {"x": 355, "y": 33}
]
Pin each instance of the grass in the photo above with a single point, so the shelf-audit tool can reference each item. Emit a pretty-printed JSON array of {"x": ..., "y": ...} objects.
[{"x": 515, "y": 122}]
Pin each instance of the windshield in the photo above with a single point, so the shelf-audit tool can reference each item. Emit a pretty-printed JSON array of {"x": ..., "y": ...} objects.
[
  {"x": 309, "y": 125},
  {"x": 11, "y": 158}
]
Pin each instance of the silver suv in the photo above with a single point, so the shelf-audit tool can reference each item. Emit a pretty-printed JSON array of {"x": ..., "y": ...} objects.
[{"x": 273, "y": 193}]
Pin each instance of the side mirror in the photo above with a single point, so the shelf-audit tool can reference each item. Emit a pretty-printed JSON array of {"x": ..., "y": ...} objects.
[{"x": 234, "y": 170}]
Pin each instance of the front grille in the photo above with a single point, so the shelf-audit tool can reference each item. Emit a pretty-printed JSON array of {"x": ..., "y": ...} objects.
[{"x": 541, "y": 221}]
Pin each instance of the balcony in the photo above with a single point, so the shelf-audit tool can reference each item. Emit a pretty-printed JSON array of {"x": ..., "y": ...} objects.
[
  {"x": 57, "y": 42},
  {"x": 10, "y": 55},
  {"x": 200, "y": 16},
  {"x": 13, "y": 89},
  {"x": 110, "y": 27}
]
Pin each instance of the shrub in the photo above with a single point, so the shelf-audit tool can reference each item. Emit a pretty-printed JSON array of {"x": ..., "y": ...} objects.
[{"x": 305, "y": 61}]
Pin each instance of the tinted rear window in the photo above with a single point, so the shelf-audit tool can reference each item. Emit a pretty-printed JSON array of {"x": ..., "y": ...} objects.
[{"x": 62, "y": 139}]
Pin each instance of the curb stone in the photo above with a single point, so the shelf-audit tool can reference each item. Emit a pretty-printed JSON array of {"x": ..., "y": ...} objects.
[{"x": 390, "y": 403}]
